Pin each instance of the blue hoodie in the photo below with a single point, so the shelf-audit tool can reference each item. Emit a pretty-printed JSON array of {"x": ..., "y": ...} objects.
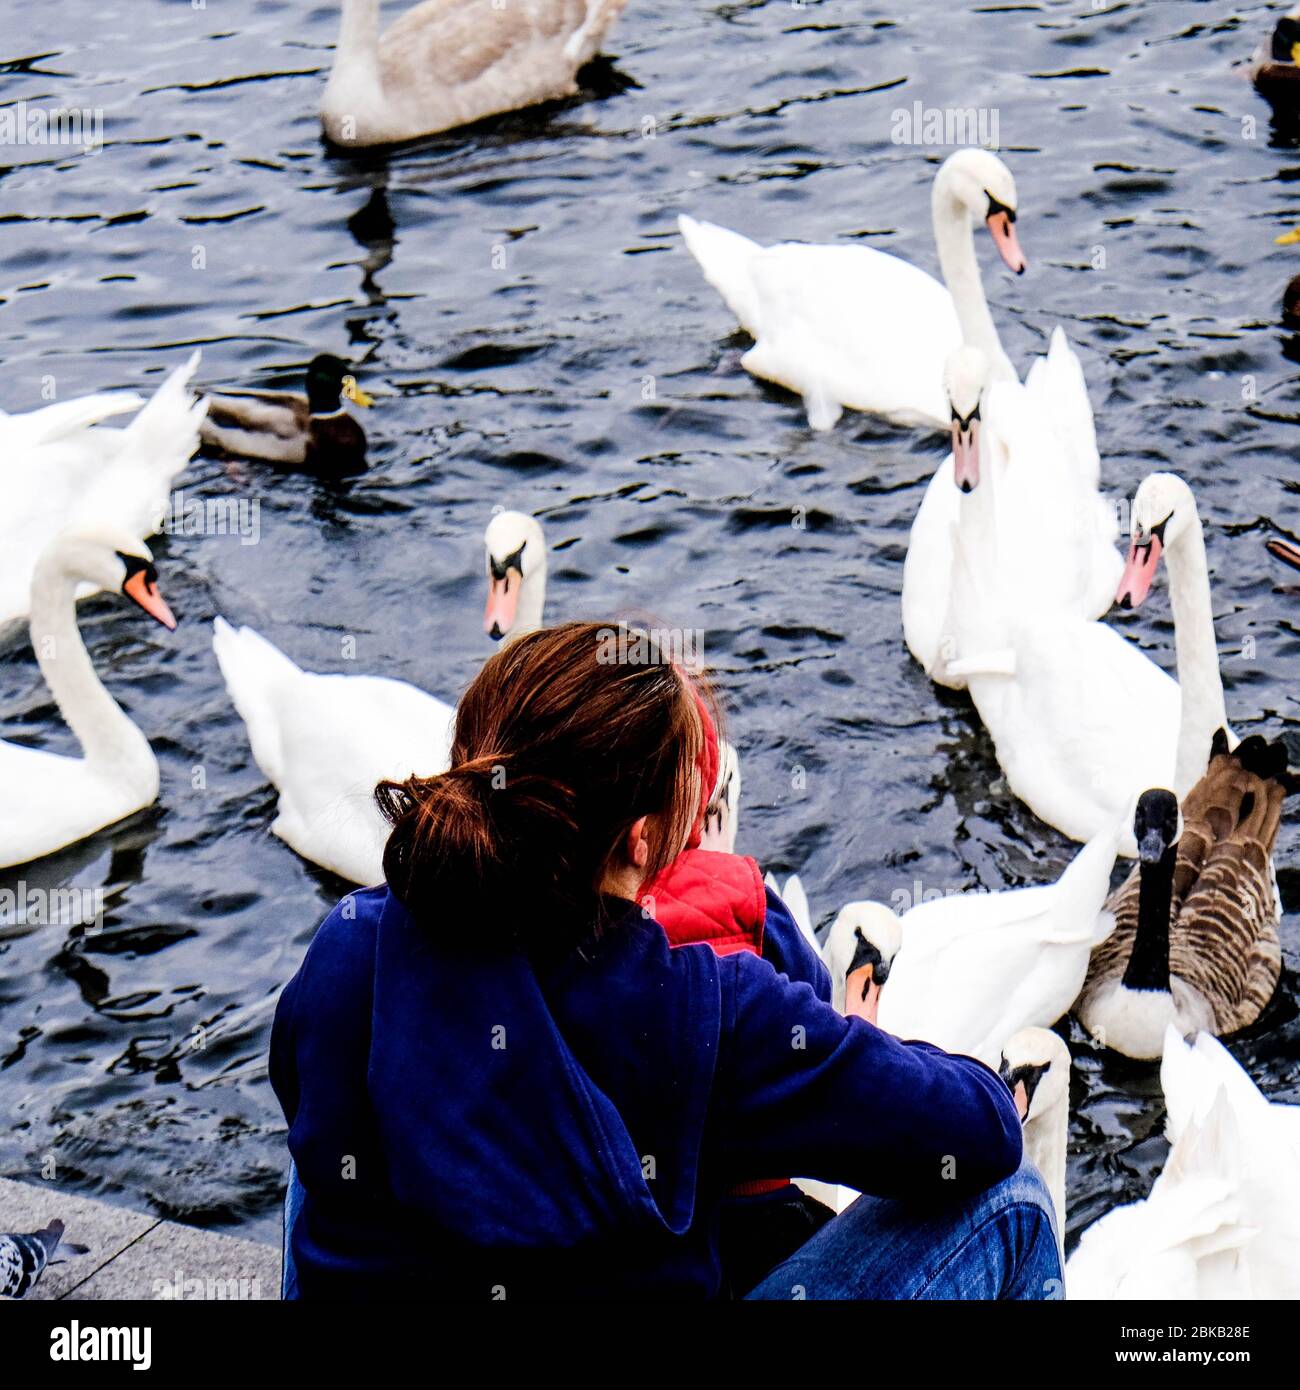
[{"x": 477, "y": 1128}]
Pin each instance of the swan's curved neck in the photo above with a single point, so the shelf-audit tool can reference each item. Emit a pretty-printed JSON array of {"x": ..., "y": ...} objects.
[
  {"x": 1199, "y": 682},
  {"x": 955, "y": 238},
  {"x": 106, "y": 735},
  {"x": 1045, "y": 1142},
  {"x": 532, "y": 602},
  {"x": 358, "y": 45}
]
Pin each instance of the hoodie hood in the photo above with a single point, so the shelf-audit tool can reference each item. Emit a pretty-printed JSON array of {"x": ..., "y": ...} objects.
[{"x": 490, "y": 1123}]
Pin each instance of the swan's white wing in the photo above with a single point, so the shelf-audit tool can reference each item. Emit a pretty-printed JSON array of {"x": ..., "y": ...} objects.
[
  {"x": 1085, "y": 725},
  {"x": 325, "y": 742},
  {"x": 156, "y": 446},
  {"x": 856, "y": 326},
  {"x": 975, "y": 969},
  {"x": 1192, "y": 1238},
  {"x": 1057, "y": 383},
  {"x": 97, "y": 477},
  {"x": 726, "y": 258},
  {"x": 1197, "y": 1077}
]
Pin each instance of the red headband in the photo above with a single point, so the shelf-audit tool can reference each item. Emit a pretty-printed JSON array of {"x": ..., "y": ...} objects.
[{"x": 707, "y": 761}]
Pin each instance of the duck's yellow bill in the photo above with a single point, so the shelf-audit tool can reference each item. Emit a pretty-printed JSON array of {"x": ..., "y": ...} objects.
[
  {"x": 1295, "y": 52},
  {"x": 1288, "y": 238},
  {"x": 355, "y": 394}
]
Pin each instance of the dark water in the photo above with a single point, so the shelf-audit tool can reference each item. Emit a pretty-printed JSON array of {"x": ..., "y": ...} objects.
[{"x": 522, "y": 383}]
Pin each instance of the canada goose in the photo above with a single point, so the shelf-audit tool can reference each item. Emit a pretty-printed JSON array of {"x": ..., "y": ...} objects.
[
  {"x": 1035, "y": 1064},
  {"x": 1195, "y": 942},
  {"x": 851, "y": 326},
  {"x": 311, "y": 430},
  {"x": 446, "y": 63}
]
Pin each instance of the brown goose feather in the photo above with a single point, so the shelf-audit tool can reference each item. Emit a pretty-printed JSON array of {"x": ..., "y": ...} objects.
[{"x": 1223, "y": 937}]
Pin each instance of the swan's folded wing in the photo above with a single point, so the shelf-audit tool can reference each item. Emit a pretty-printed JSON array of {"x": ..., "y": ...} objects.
[{"x": 446, "y": 45}]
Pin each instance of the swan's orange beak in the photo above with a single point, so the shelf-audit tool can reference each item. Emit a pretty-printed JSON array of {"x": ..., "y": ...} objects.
[
  {"x": 503, "y": 599},
  {"x": 966, "y": 455},
  {"x": 142, "y": 588},
  {"x": 1003, "y": 231},
  {"x": 1139, "y": 571},
  {"x": 862, "y": 994}
]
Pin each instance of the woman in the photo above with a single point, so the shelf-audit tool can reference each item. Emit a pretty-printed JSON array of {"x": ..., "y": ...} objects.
[{"x": 501, "y": 1081}]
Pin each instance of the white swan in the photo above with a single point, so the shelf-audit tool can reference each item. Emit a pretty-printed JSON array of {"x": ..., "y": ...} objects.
[
  {"x": 325, "y": 741},
  {"x": 85, "y": 477},
  {"x": 1222, "y": 1220},
  {"x": 1081, "y": 721},
  {"x": 516, "y": 573},
  {"x": 445, "y": 63},
  {"x": 1186, "y": 1240},
  {"x": 967, "y": 971},
  {"x": 1192, "y": 1075},
  {"x": 50, "y": 800},
  {"x": 852, "y": 326},
  {"x": 1035, "y": 1064},
  {"x": 515, "y": 556},
  {"x": 1166, "y": 522},
  {"x": 1034, "y": 449}
]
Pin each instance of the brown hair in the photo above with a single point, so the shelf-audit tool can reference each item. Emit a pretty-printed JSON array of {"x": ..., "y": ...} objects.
[{"x": 559, "y": 747}]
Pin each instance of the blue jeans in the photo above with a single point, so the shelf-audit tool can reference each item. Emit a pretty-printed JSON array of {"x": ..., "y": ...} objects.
[
  {"x": 292, "y": 1206},
  {"x": 999, "y": 1244}
]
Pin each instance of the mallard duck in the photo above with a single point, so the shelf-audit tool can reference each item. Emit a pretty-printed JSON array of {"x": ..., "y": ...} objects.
[
  {"x": 1275, "y": 68},
  {"x": 313, "y": 430},
  {"x": 446, "y": 63},
  {"x": 1196, "y": 940}
]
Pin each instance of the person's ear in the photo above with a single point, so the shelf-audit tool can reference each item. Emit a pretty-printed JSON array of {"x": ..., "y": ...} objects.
[{"x": 637, "y": 846}]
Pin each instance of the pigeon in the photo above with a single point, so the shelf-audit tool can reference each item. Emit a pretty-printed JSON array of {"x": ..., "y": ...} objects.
[{"x": 23, "y": 1257}]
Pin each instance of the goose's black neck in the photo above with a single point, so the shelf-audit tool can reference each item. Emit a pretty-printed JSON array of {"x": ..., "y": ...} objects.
[{"x": 1148, "y": 966}]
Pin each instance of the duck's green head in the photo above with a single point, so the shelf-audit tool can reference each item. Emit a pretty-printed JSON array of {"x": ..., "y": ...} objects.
[
  {"x": 1286, "y": 40},
  {"x": 329, "y": 379}
]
